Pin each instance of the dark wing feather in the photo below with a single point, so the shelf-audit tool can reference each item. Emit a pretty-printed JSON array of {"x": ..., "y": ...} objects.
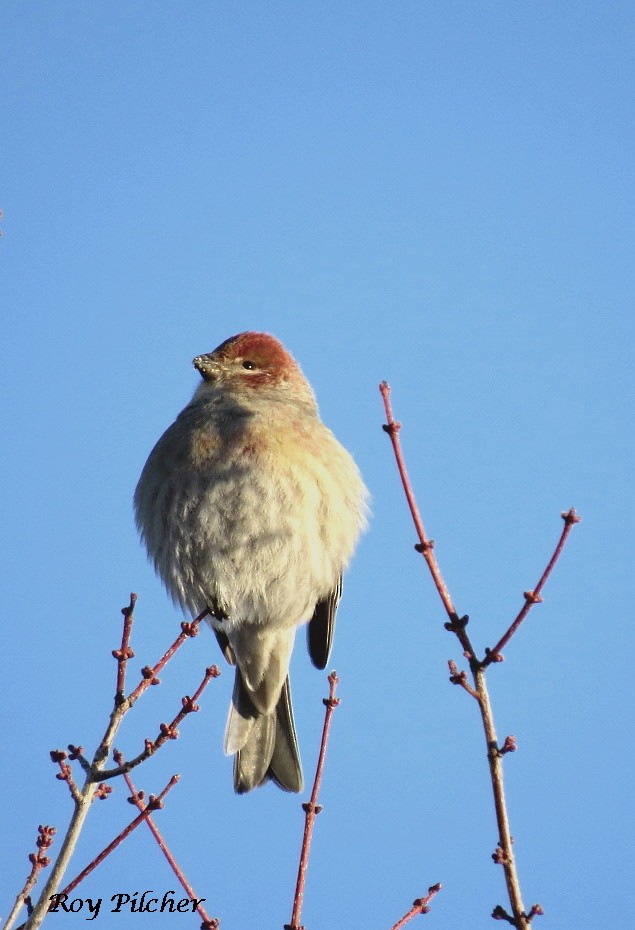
[
  {"x": 226, "y": 649},
  {"x": 222, "y": 638},
  {"x": 321, "y": 627}
]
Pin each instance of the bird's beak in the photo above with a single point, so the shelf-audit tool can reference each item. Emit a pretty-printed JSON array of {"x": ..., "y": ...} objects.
[{"x": 208, "y": 367}]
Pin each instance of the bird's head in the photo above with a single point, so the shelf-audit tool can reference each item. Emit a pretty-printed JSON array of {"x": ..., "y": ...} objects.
[{"x": 252, "y": 364}]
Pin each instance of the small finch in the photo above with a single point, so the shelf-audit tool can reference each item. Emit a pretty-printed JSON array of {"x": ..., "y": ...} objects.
[{"x": 250, "y": 508}]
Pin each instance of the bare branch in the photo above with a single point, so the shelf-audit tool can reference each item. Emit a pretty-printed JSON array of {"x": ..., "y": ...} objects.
[
  {"x": 150, "y": 674},
  {"x": 94, "y": 786},
  {"x": 533, "y": 597},
  {"x": 154, "y": 804},
  {"x": 425, "y": 546},
  {"x": 39, "y": 861},
  {"x": 419, "y": 906},
  {"x": 124, "y": 652},
  {"x": 504, "y": 854},
  {"x": 460, "y": 678},
  {"x": 312, "y": 808},
  {"x": 65, "y": 773},
  {"x": 209, "y": 923},
  {"x": 167, "y": 731}
]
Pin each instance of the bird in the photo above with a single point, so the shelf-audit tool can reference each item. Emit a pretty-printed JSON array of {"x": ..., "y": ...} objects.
[{"x": 251, "y": 509}]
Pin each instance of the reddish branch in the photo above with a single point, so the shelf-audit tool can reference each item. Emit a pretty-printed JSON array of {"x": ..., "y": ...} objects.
[
  {"x": 154, "y": 804},
  {"x": 166, "y": 730},
  {"x": 39, "y": 860},
  {"x": 533, "y": 597},
  {"x": 209, "y": 923},
  {"x": 94, "y": 786},
  {"x": 124, "y": 652},
  {"x": 66, "y": 773},
  {"x": 425, "y": 546},
  {"x": 150, "y": 674},
  {"x": 419, "y": 906},
  {"x": 312, "y": 808},
  {"x": 504, "y": 854}
]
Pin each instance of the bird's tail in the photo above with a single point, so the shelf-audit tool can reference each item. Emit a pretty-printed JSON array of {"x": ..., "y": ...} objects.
[{"x": 268, "y": 742}]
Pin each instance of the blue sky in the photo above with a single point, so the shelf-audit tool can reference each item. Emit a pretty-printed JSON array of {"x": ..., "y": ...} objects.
[{"x": 440, "y": 194}]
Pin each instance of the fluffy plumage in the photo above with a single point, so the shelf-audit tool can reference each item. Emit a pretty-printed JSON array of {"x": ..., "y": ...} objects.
[{"x": 249, "y": 506}]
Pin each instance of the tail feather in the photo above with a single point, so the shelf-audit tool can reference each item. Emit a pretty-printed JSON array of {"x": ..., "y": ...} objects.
[
  {"x": 241, "y": 717},
  {"x": 285, "y": 767},
  {"x": 264, "y": 745},
  {"x": 251, "y": 763}
]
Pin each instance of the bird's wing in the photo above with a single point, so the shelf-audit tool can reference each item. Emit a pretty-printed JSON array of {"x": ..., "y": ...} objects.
[
  {"x": 321, "y": 626},
  {"x": 223, "y": 640},
  {"x": 226, "y": 649}
]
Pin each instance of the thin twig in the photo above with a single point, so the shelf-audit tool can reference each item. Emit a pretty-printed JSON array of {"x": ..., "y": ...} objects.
[
  {"x": 82, "y": 803},
  {"x": 209, "y": 923},
  {"x": 167, "y": 731},
  {"x": 93, "y": 784},
  {"x": 76, "y": 753},
  {"x": 150, "y": 674},
  {"x": 124, "y": 652},
  {"x": 154, "y": 804},
  {"x": 39, "y": 861},
  {"x": 312, "y": 808},
  {"x": 460, "y": 678},
  {"x": 419, "y": 906},
  {"x": 504, "y": 854},
  {"x": 533, "y": 597},
  {"x": 425, "y": 546},
  {"x": 66, "y": 773}
]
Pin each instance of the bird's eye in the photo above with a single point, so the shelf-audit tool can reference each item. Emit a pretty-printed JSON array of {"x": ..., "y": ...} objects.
[{"x": 248, "y": 365}]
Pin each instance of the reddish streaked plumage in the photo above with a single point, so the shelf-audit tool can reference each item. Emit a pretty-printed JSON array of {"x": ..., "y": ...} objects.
[{"x": 249, "y": 506}]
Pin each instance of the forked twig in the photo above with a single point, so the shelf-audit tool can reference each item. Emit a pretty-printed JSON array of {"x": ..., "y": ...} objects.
[
  {"x": 166, "y": 730},
  {"x": 94, "y": 786},
  {"x": 154, "y": 804},
  {"x": 504, "y": 854}
]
